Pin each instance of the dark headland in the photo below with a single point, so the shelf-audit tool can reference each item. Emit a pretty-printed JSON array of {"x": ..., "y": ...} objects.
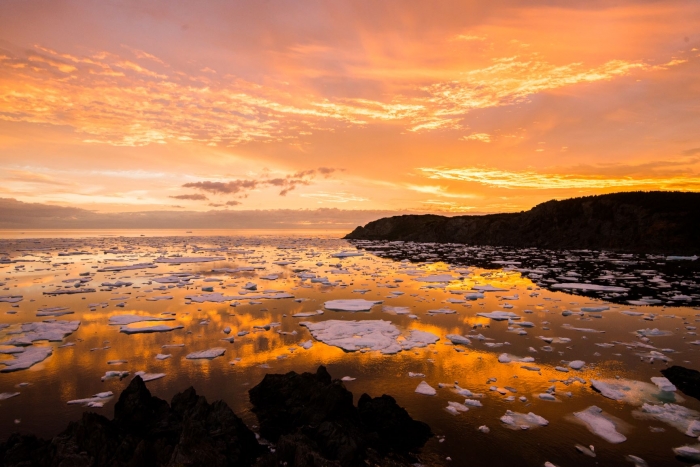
[{"x": 643, "y": 222}]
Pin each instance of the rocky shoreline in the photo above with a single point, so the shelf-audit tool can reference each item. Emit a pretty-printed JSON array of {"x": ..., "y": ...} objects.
[
  {"x": 649, "y": 222},
  {"x": 307, "y": 419}
]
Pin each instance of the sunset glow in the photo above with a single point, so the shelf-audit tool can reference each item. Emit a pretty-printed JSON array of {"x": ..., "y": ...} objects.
[{"x": 397, "y": 106}]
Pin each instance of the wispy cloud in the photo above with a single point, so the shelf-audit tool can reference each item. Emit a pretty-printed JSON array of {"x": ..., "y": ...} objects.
[
  {"x": 116, "y": 100},
  {"x": 340, "y": 197},
  {"x": 286, "y": 183},
  {"x": 547, "y": 181}
]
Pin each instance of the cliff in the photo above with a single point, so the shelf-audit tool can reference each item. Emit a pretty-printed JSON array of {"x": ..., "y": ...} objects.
[{"x": 649, "y": 222}]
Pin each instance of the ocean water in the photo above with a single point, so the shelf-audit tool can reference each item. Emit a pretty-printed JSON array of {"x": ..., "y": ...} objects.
[{"x": 622, "y": 345}]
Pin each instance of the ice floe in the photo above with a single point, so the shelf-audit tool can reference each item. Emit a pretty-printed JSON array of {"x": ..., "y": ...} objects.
[
  {"x": 25, "y": 359},
  {"x": 353, "y": 304},
  {"x": 425, "y": 389},
  {"x": 208, "y": 354},
  {"x": 522, "y": 421},
  {"x": 149, "y": 329},
  {"x": 377, "y": 335},
  {"x": 601, "y": 424}
]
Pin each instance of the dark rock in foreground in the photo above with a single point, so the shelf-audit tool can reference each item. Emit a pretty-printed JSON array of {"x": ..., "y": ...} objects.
[
  {"x": 310, "y": 417},
  {"x": 146, "y": 431},
  {"x": 650, "y": 222},
  {"x": 685, "y": 379},
  {"x": 307, "y": 414}
]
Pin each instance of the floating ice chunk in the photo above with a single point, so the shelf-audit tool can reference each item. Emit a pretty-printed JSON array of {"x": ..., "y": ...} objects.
[
  {"x": 595, "y": 309},
  {"x": 688, "y": 452},
  {"x": 545, "y": 396},
  {"x": 146, "y": 377},
  {"x": 270, "y": 277},
  {"x": 577, "y": 364},
  {"x": 307, "y": 314},
  {"x": 149, "y": 329},
  {"x": 114, "y": 374},
  {"x": 54, "y": 311},
  {"x": 123, "y": 320},
  {"x": 215, "y": 297},
  {"x": 128, "y": 267},
  {"x": 159, "y": 297},
  {"x": 455, "y": 407},
  {"x": 499, "y": 315},
  {"x": 572, "y": 328},
  {"x": 307, "y": 344},
  {"x": 48, "y": 330},
  {"x": 117, "y": 284},
  {"x": 353, "y": 304},
  {"x": 630, "y": 391},
  {"x": 347, "y": 378},
  {"x": 682, "y": 418},
  {"x": 638, "y": 461},
  {"x": 8, "y": 395},
  {"x": 488, "y": 288},
  {"x": 95, "y": 401},
  {"x": 369, "y": 334},
  {"x": 593, "y": 287},
  {"x": 185, "y": 259},
  {"x": 507, "y": 358},
  {"x": 653, "y": 332},
  {"x": 631, "y": 313},
  {"x": 161, "y": 356},
  {"x": 346, "y": 254},
  {"x": 437, "y": 278},
  {"x": 425, "y": 389},
  {"x": 663, "y": 383},
  {"x": 457, "y": 339},
  {"x": 442, "y": 311},
  {"x": 11, "y": 298},
  {"x": 396, "y": 310},
  {"x": 521, "y": 421},
  {"x": 207, "y": 354},
  {"x": 682, "y": 258},
  {"x": 484, "y": 429},
  {"x": 601, "y": 424},
  {"x": 585, "y": 451},
  {"x": 263, "y": 296},
  {"x": 415, "y": 375}
]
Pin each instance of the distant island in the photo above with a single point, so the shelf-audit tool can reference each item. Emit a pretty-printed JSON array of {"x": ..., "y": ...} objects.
[{"x": 642, "y": 222}]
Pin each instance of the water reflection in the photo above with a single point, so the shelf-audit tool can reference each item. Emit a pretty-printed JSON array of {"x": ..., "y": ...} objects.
[{"x": 263, "y": 346}]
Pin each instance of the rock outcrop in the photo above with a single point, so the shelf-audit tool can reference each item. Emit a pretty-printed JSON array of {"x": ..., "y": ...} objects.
[
  {"x": 310, "y": 414},
  {"x": 145, "y": 431},
  {"x": 685, "y": 379},
  {"x": 310, "y": 419},
  {"x": 648, "y": 222}
]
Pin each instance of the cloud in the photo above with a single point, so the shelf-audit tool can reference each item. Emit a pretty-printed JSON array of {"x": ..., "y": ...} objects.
[
  {"x": 194, "y": 197},
  {"x": 341, "y": 197},
  {"x": 287, "y": 183},
  {"x": 223, "y": 188},
  {"x": 483, "y": 137},
  {"x": 111, "y": 99},
  {"x": 568, "y": 181}
]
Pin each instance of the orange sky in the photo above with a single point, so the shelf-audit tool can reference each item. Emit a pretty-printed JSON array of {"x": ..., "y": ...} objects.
[{"x": 458, "y": 106}]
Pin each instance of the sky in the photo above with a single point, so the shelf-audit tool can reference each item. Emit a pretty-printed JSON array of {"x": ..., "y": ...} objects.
[{"x": 455, "y": 107}]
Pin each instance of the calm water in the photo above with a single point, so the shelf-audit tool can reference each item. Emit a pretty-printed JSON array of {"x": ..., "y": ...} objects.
[{"x": 32, "y": 264}]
